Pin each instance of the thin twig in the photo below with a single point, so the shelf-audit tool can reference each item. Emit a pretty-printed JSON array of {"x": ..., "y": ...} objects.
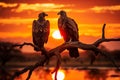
[{"x": 103, "y": 31}]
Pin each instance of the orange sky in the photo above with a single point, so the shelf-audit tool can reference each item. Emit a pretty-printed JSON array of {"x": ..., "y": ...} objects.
[{"x": 16, "y": 17}]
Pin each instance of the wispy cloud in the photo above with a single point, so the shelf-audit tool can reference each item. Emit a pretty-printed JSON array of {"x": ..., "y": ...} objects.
[
  {"x": 99, "y": 9},
  {"x": 41, "y": 7},
  {"x": 102, "y": 9},
  {"x": 47, "y": 7},
  {"x": 52, "y": 7},
  {"x": 8, "y": 5}
]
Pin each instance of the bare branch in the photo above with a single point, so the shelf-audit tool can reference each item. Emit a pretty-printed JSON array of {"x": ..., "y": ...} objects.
[
  {"x": 31, "y": 68},
  {"x": 43, "y": 50},
  {"x": 103, "y": 31},
  {"x": 25, "y": 43},
  {"x": 103, "y": 39},
  {"x": 99, "y": 41},
  {"x": 59, "y": 49}
]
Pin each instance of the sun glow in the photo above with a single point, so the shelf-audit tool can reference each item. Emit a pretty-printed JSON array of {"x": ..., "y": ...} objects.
[
  {"x": 56, "y": 34},
  {"x": 60, "y": 75}
]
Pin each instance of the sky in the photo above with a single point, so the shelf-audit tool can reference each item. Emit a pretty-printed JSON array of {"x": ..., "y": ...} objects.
[{"x": 16, "y": 17}]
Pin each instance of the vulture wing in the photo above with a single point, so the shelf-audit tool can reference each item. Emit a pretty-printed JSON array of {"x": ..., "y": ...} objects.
[
  {"x": 46, "y": 31},
  {"x": 35, "y": 31},
  {"x": 40, "y": 32},
  {"x": 72, "y": 29},
  {"x": 70, "y": 23},
  {"x": 61, "y": 26}
]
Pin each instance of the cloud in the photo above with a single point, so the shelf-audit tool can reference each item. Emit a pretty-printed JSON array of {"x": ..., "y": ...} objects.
[
  {"x": 99, "y": 9},
  {"x": 5, "y": 5},
  {"x": 41, "y": 7},
  {"x": 47, "y": 7},
  {"x": 102, "y": 9},
  {"x": 52, "y": 7}
]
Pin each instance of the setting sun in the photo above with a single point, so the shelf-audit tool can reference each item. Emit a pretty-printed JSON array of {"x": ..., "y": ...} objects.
[
  {"x": 60, "y": 75},
  {"x": 56, "y": 34}
]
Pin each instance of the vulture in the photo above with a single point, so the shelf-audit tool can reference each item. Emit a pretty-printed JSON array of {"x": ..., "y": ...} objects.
[
  {"x": 69, "y": 30},
  {"x": 40, "y": 31}
]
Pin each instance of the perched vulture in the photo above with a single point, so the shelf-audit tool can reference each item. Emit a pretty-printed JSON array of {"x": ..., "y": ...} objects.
[
  {"x": 40, "y": 31},
  {"x": 69, "y": 30}
]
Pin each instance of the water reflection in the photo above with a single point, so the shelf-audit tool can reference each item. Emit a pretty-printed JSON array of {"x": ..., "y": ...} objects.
[
  {"x": 74, "y": 74},
  {"x": 96, "y": 74},
  {"x": 60, "y": 75}
]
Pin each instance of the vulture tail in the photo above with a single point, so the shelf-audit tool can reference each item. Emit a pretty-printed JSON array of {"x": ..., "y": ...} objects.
[
  {"x": 36, "y": 49},
  {"x": 73, "y": 52}
]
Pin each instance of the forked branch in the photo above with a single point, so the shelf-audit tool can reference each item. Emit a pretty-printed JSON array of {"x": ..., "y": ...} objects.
[{"x": 59, "y": 49}]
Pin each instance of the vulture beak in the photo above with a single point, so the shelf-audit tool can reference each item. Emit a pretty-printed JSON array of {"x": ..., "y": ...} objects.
[
  {"x": 46, "y": 14},
  {"x": 58, "y": 13}
]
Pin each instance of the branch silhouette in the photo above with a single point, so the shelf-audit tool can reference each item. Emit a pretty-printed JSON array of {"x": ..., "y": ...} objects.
[{"x": 59, "y": 49}]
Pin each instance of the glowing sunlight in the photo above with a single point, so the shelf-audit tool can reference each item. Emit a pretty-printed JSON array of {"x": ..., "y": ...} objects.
[{"x": 56, "y": 34}]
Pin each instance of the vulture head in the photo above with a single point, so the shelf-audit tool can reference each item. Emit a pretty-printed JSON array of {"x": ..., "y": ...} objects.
[
  {"x": 62, "y": 13},
  {"x": 42, "y": 15}
]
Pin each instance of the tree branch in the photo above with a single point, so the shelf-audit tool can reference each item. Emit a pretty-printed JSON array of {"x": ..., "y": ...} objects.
[
  {"x": 103, "y": 39},
  {"x": 103, "y": 31},
  {"x": 99, "y": 41},
  {"x": 59, "y": 49}
]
